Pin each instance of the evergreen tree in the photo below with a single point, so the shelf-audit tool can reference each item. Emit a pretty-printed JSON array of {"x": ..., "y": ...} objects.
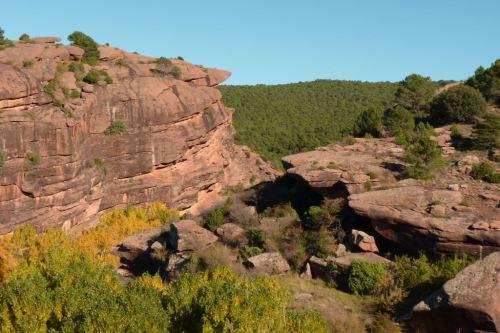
[
  {"x": 369, "y": 122},
  {"x": 458, "y": 104},
  {"x": 423, "y": 154},
  {"x": 486, "y": 134},
  {"x": 414, "y": 93},
  {"x": 487, "y": 81}
]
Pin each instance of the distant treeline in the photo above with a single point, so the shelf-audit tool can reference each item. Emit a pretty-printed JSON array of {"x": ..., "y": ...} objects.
[{"x": 284, "y": 119}]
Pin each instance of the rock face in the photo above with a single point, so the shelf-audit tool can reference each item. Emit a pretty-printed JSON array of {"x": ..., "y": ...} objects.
[
  {"x": 62, "y": 169},
  {"x": 468, "y": 303},
  {"x": 355, "y": 167},
  {"x": 187, "y": 235},
  {"x": 430, "y": 219}
]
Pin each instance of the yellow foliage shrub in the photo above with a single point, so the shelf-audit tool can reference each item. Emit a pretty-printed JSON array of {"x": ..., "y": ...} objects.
[{"x": 118, "y": 225}]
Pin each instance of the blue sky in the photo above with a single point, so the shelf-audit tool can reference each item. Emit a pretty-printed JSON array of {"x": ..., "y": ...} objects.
[{"x": 277, "y": 41}]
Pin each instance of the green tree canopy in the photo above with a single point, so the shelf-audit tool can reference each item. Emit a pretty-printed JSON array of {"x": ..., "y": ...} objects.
[
  {"x": 398, "y": 119},
  {"x": 458, "y": 104},
  {"x": 487, "y": 81},
  {"x": 414, "y": 93},
  {"x": 369, "y": 122},
  {"x": 486, "y": 134}
]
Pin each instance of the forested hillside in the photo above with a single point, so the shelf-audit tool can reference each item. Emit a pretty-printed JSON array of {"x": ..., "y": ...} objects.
[{"x": 284, "y": 119}]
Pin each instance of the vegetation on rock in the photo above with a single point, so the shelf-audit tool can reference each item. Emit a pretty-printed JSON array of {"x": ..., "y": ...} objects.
[
  {"x": 485, "y": 171},
  {"x": 96, "y": 75},
  {"x": 369, "y": 122},
  {"x": 116, "y": 128},
  {"x": 486, "y": 133},
  {"x": 423, "y": 154},
  {"x": 85, "y": 42}
]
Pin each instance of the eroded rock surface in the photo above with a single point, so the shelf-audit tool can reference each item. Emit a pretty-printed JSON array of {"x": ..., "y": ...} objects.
[
  {"x": 431, "y": 219},
  {"x": 358, "y": 167},
  {"x": 468, "y": 303},
  {"x": 62, "y": 169}
]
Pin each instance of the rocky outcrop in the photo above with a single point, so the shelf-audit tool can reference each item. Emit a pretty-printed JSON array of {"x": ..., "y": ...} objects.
[
  {"x": 269, "y": 263},
  {"x": 62, "y": 169},
  {"x": 232, "y": 233},
  {"x": 187, "y": 235},
  {"x": 431, "y": 219},
  {"x": 363, "y": 241},
  {"x": 351, "y": 168},
  {"x": 470, "y": 302}
]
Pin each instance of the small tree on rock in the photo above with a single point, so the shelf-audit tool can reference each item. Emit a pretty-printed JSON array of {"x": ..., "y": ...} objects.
[
  {"x": 423, "y": 154},
  {"x": 85, "y": 42},
  {"x": 486, "y": 134}
]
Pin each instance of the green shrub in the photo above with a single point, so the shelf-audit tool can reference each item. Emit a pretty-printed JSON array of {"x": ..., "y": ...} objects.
[
  {"x": 78, "y": 68},
  {"x": 163, "y": 62},
  {"x": 58, "y": 103},
  {"x": 398, "y": 119},
  {"x": 487, "y": 81},
  {"x": 414, "y": 93},
  {"x": 2, "y": 159},
  {"x": 50, "y": 88},
  {"x": 485, "y": 171},
  {"x": 423, "y": 154},
  {"x": 332, "y": 165},
  {"x": 24, "y": 37},
  {"x": 33, "y": 158},
  {"x": 91, "y": 48},
  {"x": 221, "y": 301},
  {"x": 368, "y": 185},
  {"x": 458, "y": 104},
  {"x": 122, "y": 62},
  {"x": 116, "y": 128},
  {"x": 73, "y": 94},
  {"x": 28, "y": 63},
  {"x": 486, "y": 134},
  {"x": 369, "y": 122},
  {"x": 176, "y": 72},
  {"x": 372, "y": 175},
  {"x": 95, "y": 75},
  {"x": 364, "y": 278},
  {"x": 281, "y": 210},
  {"x": 256, "y": 238},
  {"x": 216, "y": 218},
  {"x": 2, "y": 37}
]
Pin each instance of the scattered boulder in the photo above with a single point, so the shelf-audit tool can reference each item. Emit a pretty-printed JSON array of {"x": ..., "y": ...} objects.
[
  {"x": 363, "y": 241},
  {"x": 174, "y": 265},
  {"x": 269, "y": 263},
  {"x": 306, "y": 273},
  {"x": 465, "y": 164},
  {"x": 187, "y": 235},
  {"x": 454, "y": 187},
  {"x": 468, "y": 303},
  {"x": 231, "y": 233},
  {"x": 136, "y": 245}
]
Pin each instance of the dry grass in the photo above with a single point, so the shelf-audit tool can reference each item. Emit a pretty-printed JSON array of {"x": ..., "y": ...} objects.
[{"x": 342, "y": 312}]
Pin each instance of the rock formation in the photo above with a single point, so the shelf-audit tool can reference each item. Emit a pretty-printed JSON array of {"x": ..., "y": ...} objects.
[
  {"x": 470, "y": 302},
  {"x": 417, "y": 215},
  {"x": 175, "y": 143}
]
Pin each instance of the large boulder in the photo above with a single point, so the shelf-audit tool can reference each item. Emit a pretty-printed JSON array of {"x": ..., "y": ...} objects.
[
  {"x": 187, "y": 235},
  {"x": 231, "y": 233},
  {"x": 269, "y": 263},
  {"x": 354, "y": 168},
  {"x": 468, "y": 303},
  {"x": 432, "y": 219}
]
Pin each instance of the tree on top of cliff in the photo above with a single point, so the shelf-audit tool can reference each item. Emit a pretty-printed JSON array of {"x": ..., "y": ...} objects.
[
  {"x": 88, "y": 44},
  {"x": 458, "y": 104},
  {"x": 2, "y": 37},
  {"x": 414, "y": 93}
]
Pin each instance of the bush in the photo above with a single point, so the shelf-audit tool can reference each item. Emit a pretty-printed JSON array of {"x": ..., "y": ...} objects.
[
  {"x": 24, "y": 38},
  {"x": 2, "y": 159},
  {"x": 414, "y": 93},
  {"x": 369, "y": 122},
  {"x": 485, "y": 171},
  {"x": 256, "y": 238},
  {"x": 2, "y": 37},
  {"x": 176, "y": 72},
  {"x": 216, "y": 218},
  {"x": 163, "y": 62},
  {"x": 423, "y": 154},
  {"x": 486, "y": 134},
  {"x": 50, "y": 88},
  {"x": 33, "y": 158},
  {"x": 364, "y": 278},
  {"x": 487, "y": 81},
  {"x": 398, "y": 119},
  {"x": 94, "y": 76},
  {"x": 116, "y": 128},
  {"x": 28, "y": 63},
  {"x": 458, "y": 104},
  {"x": 85, "y": 42},
  {"x": 221, "y": 301},
  {"x": 282, "y": 210}
]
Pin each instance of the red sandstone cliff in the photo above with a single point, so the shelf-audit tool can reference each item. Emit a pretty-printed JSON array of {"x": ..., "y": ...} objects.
[{"x": 178, "y": 146}]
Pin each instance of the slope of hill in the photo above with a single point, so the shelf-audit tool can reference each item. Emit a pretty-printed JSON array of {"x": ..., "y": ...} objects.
[{"x": 284, "y": 119}]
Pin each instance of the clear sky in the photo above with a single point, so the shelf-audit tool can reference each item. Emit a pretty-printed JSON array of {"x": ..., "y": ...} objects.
[{"x": 280, "y": 41}]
